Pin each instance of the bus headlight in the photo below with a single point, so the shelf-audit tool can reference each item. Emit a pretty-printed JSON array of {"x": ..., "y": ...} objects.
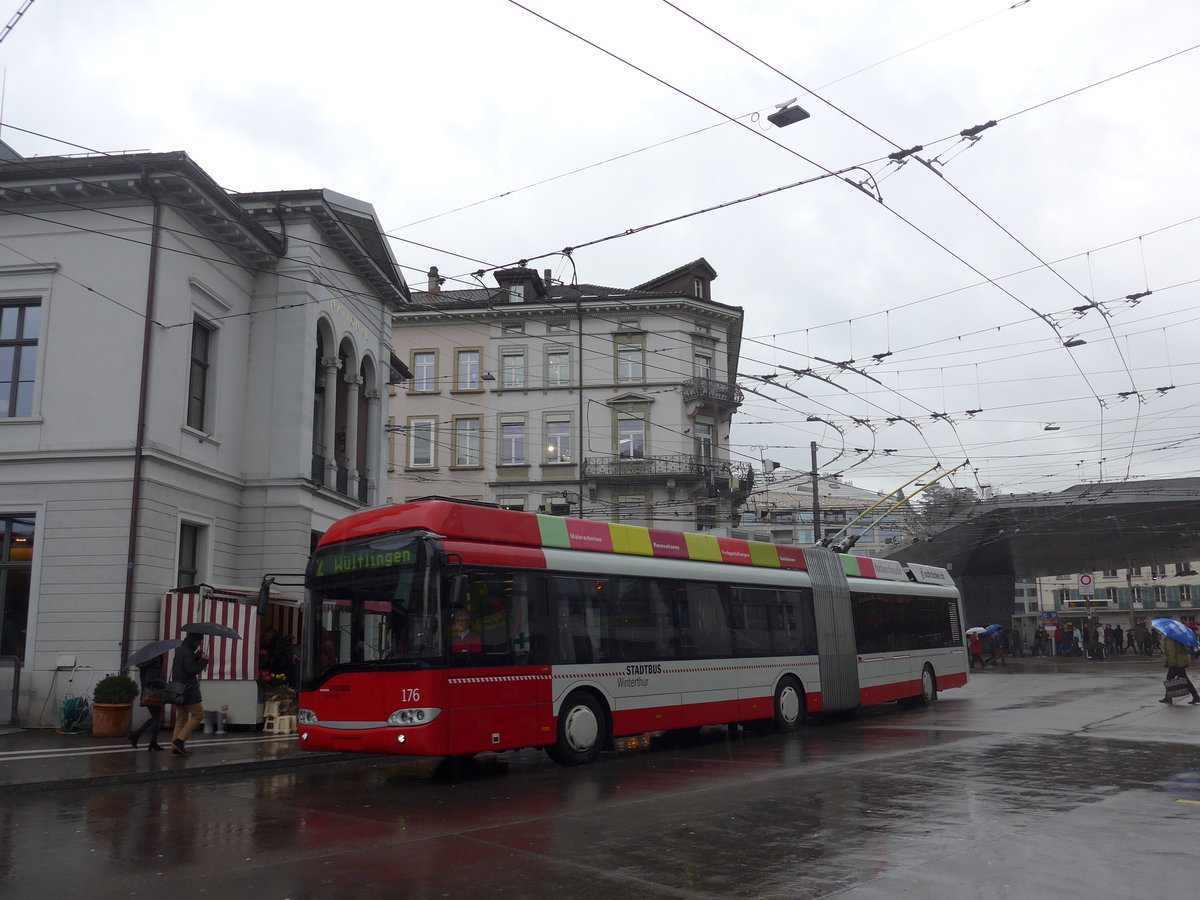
[
  {"x": 413, "y": 716},
  {"x": 306, "y": 717}
]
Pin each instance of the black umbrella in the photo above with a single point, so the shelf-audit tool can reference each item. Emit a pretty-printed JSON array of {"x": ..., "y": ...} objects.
[
  {"x": 216, "y": 629},
  {"x": 153, "y": 650}
]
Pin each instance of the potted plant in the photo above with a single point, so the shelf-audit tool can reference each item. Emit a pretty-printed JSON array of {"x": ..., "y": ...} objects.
[{"x": 112, "y": 705}]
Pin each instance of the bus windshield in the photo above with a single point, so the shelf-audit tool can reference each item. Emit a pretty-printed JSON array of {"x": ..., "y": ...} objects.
[{"x": 372, "y": 602}]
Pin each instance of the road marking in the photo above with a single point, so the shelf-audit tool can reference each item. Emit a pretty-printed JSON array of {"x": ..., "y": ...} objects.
[{"x": 59, "y": 752}]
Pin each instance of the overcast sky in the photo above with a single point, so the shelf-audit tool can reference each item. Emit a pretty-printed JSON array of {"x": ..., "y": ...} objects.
[{"x": 972, "y": 272}]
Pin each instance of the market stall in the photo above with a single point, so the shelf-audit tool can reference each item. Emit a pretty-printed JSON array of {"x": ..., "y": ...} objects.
[{"x": 231, "y": 681}]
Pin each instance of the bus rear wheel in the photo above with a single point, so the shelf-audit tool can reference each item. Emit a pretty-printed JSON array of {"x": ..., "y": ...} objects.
[
  {"x": 582, "y": 731},
  {"x": 789, "y": 704}
]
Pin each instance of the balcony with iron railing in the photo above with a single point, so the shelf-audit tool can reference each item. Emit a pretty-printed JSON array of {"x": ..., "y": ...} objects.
[
  {"x": 720, "y": 472},
  {"x": 708, "y": 390}
]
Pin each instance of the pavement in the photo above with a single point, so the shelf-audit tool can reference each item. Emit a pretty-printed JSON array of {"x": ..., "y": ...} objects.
[
  {"x": 39, "y": 759},
  {"x": 45, "y": 759}
]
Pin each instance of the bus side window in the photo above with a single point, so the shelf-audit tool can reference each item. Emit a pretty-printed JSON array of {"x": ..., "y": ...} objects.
[
  {"x": 703, "y": 624},
  {"x": 751, "y": 612},
  {"x": 583, "y": 618},
  {"x": 641, "y": 622}
]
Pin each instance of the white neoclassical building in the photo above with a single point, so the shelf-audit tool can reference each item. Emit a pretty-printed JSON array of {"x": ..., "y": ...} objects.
[{"x": 192, "y": 386}]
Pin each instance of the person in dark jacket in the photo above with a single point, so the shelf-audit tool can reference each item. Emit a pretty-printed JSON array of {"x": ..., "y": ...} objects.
[
  {"x": 190, "y": 661},
  {"x": 150, "y": 675},
  {"x": 1175, "y": 659}
]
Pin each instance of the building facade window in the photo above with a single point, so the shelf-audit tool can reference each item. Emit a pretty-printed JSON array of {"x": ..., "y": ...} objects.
[
  {"x": 466, "y": 441},
  {"x": 466, "y": 368},
  {"x": 200, "y": 375},
  {"x": 1160, "y": 594},
  {"x": 513, "y": 328},
  {"x": 702, "y": 364},
  {"x": 512, "y": 442},
  {"x": 191, "y": 548},
  {"x": 421, "y": 446},
  {"x": 512, "y": 368},
  {"x": 704, "y": 440},
  {"x": 1108, "y": 594},
  {"x": 1158, "y": 571},
  {"x": 1110, "y": 573},
  {"x": 631, "y": 437},
  {"x": 630, "y": 363},
  {"x": 424, "y": 369},
  {"x": 1185, "y": 593},
  {"x": 558, "y": 367},
  {"x": 16, "y": 573},
  {"x": 1184, "y": 568},
  {"x": 20, "y": 322},
  {"x": 558, "y": 439},
  {"x": 557, "y": 328},
  {"x": 516, "y": 292}
]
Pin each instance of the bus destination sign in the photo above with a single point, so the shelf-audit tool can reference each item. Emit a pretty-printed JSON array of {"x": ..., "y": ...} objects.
[{"x": 364, "y": 559}]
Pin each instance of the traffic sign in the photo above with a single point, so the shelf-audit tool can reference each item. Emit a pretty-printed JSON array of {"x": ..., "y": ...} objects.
[{"x": 1085, "y": 585}]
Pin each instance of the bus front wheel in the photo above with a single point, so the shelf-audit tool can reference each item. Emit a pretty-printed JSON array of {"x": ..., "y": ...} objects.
[
  {"x": 789, "y": 704},
  {"x": 928, "y": 687},
  {"x": 582, "y": 731}
]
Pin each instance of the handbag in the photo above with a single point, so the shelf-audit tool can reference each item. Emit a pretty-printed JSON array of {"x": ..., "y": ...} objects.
[
  {"x": 173, "y": 691},
  {"x": 1176, "y": 687}
]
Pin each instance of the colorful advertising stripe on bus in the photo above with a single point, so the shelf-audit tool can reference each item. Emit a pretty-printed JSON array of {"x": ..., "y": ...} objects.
[{"x": 447, "y": 628}]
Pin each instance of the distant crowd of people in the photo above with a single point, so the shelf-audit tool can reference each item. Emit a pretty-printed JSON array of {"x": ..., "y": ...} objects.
[{"x": 1090, "y": 641}]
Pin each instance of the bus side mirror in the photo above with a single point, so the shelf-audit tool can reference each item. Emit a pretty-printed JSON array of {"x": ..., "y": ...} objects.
[
  {"x": 264, "y": 594},
  {"x": 458, "y": 592}
]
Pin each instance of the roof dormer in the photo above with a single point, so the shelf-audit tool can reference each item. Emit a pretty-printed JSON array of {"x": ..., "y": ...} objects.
[{"x": 520, "y": 285}]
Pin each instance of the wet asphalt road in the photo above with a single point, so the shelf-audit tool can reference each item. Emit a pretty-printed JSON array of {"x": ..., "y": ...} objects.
[{"x": 1047, "y": 781}]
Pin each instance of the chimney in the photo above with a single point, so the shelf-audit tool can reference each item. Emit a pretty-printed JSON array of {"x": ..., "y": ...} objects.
[
  {"x": 435, "y": 283},
  {"x": 546, "y": 277}
]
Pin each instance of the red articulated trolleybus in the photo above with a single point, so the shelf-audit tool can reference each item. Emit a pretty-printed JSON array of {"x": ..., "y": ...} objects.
[{"x": 447, "y": 628}]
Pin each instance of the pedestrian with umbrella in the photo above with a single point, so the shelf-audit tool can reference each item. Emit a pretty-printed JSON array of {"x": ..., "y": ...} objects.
[
  {"x": 149, "y": 662},
  {"x": 190, "y": 661},
  {"x": 1177, "y": 638},
  {"x": 976, "y": 647}
]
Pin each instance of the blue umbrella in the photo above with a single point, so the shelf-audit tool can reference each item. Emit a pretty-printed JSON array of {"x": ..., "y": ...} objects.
[
  {"x": 992, "y": 629},
  {"x": 1176, "y": 630}
]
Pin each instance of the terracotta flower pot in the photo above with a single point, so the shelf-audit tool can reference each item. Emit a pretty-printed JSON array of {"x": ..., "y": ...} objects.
[{"x": 111, "y": 719}]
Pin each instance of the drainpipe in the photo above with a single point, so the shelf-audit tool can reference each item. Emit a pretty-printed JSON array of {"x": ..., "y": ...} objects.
[{"x": 140, "y": 440}]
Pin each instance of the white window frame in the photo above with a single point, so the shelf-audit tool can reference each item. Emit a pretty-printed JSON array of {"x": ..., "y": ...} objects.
[
  {"x": 203, "y": 371},
  {"x": 513, "y": 444},
  {"x": 558, "y": 436},
  {"x": 636, "y": 439},
  {"x": 468, "y": 432},
  {"x": 631, "y": 363},
  {"x": 471, "y": 382},
  {"x": 702, "y": 364},
  {"x": 422, "y": 429},
  {"x": 424, "y": 382},
  {"x": 558, "y": 374},
  {"x": 26, "y": 355},
  {"x": 512, "y": 368},
  {"x": 705, "y": 440},
  {"x": 202, "y": 547}
]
